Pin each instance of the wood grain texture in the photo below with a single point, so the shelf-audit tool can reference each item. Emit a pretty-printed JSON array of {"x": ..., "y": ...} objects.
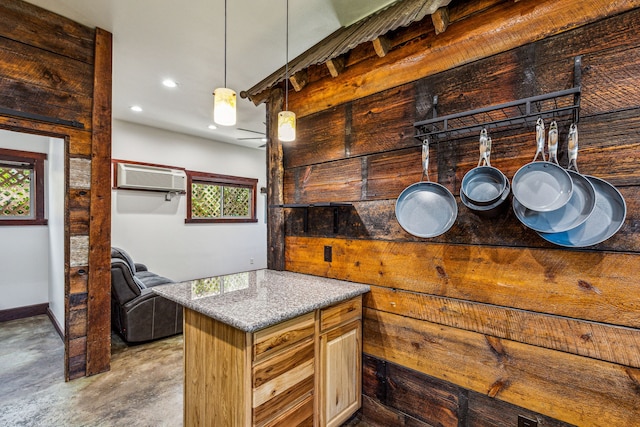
[
  {"x": 585, "y": 285},
  {"x": 278, "y": 405},
  {"x": 271, "y": 368},
  {"x": 341, "y": 313},
  {"x": 276, "y": 338},
  {"x": 341, "y": 373},
  {"x": 300, "y": 416},
  {"x": 283, "y": 382},
  {"x": 596, "y": 340},
  {"x": 464, "y": 42},
  {"x": 517, "y": 373},
  {"x": 46, "y": 30},
  {"x": 99, "y": 309},
  {"x": 275, "y": 179},
  {"x": 217, "y": 377}
]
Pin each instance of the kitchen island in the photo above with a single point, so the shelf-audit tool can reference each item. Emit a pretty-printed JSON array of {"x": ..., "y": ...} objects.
[{"x": 269, "y": 348}]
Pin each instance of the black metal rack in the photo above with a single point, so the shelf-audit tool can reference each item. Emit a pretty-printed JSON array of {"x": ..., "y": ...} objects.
[
  {"x": 560, "y": 105},
  {"x": 305, "y": 224}
]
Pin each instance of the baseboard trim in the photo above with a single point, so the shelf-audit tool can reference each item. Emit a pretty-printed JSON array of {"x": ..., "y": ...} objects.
[
  {"x": 23, "y": 312},
  {"x": 55, "y": 323}
]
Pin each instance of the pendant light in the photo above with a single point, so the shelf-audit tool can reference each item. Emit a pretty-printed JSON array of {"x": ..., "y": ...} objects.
[
  {"x": 287, "y": 119},
  {"x": 224, "y": 99}
]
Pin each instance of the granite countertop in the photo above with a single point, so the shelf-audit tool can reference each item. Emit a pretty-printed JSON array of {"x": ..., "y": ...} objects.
[{"x": 254, "y": 300}]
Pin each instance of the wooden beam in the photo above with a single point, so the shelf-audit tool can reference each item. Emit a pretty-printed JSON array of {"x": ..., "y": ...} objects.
[
  {"x": 440, "y": 19},
  {"x": 299, "y": 80},
  {"x": 381, "y": 45},
  {"x": 258, "y": 98},
  {"x": 335, "y": 66},
  {"x": 275, "y": 179},
  {"x": 500, "y": 29},
  {"x": 99, "y": 285}
]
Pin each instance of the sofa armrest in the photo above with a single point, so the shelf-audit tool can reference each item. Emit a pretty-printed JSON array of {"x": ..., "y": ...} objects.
[{"x": 140, "y": 267}]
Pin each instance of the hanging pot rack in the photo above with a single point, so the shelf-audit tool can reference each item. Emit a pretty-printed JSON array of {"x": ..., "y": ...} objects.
[{"x": 562, "y": 105}]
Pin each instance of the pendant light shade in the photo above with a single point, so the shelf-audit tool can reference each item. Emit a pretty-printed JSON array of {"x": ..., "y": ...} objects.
[
  {"x": 286, "y": 126},
  {"x": 224, "y": 106},
  {"x": 287, "y": 119},
  {"x": 224, "y": 99}
]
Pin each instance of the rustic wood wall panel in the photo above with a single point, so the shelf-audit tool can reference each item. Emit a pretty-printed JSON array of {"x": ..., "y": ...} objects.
[
  {"x": 48, "y": 66},
  {"x": 504, "y": 317}
]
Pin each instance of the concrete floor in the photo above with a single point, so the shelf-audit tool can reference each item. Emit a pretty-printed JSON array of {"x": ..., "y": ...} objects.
[{"x": 143, "y": 387}]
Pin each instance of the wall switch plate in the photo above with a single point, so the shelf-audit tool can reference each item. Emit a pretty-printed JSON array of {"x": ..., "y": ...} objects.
[
  {"x": 328, "y": 256},
  {"x": 526, "y": 422}
]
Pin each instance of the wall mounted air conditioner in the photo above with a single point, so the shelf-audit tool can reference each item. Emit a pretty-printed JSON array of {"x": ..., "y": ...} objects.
[{"x": 141, "y": 177}]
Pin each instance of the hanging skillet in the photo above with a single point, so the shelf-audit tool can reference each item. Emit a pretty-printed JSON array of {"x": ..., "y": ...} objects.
[
  {"x": 606, "y": 219},
  {"x": 426, "y": 209},
  {"x": 575, "y": 212},
  {"x": 543, "y": 186}
]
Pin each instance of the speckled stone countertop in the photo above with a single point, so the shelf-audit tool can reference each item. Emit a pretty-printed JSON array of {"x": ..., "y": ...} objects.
[{"x": 254, "y": 300}]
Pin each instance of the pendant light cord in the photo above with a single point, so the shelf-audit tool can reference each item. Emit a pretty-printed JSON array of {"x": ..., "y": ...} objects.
[
  {"x": 286, "y": 73},
  {"x": 225, "y": 43}
]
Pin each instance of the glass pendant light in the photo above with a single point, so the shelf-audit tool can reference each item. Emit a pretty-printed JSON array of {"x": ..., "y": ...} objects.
[
  {"x": 287, "y": 119},
  {"x": 224, "y": 99}
]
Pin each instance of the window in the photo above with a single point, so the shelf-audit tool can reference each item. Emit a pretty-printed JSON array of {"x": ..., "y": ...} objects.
[
  {"x": 220, "y": 198},
  {"x": 21, "y": 188}
]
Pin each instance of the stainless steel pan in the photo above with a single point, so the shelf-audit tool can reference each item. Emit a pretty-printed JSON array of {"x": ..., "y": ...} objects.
[
  {"x": 575, "y": 212},
  {"x": 605, "y": 221},
  {"x": 484, "y": 185},
  {"x": 543, "y": 186},
  {"x": 426, "y": 209}
]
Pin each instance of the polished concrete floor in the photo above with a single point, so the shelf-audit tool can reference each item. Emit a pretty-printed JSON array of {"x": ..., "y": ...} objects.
[{"x": 143, "y": 387}]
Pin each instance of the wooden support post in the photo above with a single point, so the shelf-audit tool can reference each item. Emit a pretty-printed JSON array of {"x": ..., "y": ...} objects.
[
  {"x": 381, "y": 45},
  {"x": 275, "y": 180},
  {"x": 335, "y": 66},
  {"x": 440, "y": 19},
  {"x": 299, "y": 80}
]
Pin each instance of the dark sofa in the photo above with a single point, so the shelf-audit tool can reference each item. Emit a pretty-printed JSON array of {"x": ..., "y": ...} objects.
[{"x": 137, "y": 313}]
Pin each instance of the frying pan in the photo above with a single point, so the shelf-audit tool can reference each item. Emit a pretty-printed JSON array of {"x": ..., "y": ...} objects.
[
  {"x": 487, "y": 211},
  {"x": 484, "y": 185},
  {"x": 426, "y": 209},
  {"x": 543, "y": 186},
  {"x": 575, "y": 212},
  {"x": 605, "y": 221}
]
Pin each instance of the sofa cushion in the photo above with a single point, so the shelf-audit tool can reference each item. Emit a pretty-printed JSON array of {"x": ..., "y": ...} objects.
[{"x": 150, "y": 279}]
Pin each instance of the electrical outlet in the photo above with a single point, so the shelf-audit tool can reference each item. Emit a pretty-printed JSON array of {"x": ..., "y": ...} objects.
[
  {"x": 328, "y": 256},
  {"x": 526, "y": 422},
  {"x": 250, "y": 260}
]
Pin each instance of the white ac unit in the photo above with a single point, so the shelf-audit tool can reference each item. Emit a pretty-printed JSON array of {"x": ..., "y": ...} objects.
[{"x": 141, "y": 177}]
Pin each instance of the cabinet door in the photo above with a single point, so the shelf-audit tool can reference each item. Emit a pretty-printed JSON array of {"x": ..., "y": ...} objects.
[{"x": 341, "y": 372}]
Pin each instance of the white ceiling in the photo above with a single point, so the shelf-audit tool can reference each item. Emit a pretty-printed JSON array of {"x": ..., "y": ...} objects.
[{"x": 158, "y": 39}]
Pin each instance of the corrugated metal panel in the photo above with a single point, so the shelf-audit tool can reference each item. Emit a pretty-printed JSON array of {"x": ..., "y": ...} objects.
[{"x": 399, "y": 14}]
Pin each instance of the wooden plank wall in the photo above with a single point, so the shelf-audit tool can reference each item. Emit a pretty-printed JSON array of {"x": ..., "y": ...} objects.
[
  {"x": 487, "y": 321},
  {"x": 54, "y": 67}
]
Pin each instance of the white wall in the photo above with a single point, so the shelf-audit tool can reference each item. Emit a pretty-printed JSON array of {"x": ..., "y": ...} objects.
[
  {"x": 153, "y": 230},
  {"x": 32, "y": 271}
]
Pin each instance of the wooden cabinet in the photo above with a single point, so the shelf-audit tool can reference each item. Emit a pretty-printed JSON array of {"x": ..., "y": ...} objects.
[
  {"x": 340, "y": 370},
  {"x": 302, "y": 372}
]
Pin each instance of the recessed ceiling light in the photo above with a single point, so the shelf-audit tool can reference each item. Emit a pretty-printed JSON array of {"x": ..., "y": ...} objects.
[
  {"x": 169, "y": 83},
  {"x": 213, "y": 127},
  {"x": 136, "y": 108}
]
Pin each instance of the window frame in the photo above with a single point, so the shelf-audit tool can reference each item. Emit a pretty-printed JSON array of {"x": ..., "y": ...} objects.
[
  {"x": 36, "y": 162},
  {"x": 225, "y": 181}
]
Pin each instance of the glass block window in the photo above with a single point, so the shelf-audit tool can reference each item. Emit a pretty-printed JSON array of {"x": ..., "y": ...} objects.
[
  {"x": 21, "y": 188},
  {"x": 220, "y": 198}
]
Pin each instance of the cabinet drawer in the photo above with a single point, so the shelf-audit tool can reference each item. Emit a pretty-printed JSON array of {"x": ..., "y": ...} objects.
[
  {"x": 275, "y": 338},
  {"x": 299, "y": 416},
  {"x": 341, "y": 313}
]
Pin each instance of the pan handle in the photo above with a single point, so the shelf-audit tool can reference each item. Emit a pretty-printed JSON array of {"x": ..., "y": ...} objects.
[
  {"x": 425, "y": 159},
  {"x": 573, "y": 147},
  {"x": 553, "y": 142},
  {"x": 539, "y": 139},
  {"x": 484, "y": 141}
]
